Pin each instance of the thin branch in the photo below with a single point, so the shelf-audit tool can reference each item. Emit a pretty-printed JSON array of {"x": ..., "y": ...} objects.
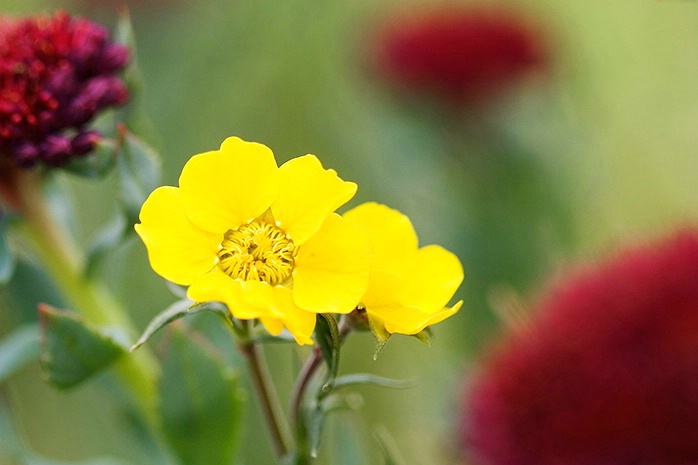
[{"x": 263, "y": 386}]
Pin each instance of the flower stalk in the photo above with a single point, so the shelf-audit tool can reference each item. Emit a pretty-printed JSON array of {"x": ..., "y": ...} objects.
[
  {"x": 64, "y": 263},
  {"x": 266, "y": 395}
]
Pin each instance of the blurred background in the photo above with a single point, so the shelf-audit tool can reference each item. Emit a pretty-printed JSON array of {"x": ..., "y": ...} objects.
[{"x": 588, "y": 143}]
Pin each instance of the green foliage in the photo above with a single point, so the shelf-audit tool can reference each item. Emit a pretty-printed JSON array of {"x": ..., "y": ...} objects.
[
  {"x": 389, "y": 450},
  {"x": 107, "y": 239},
  {"x": 367, "y": 378},
  {"x": 18, "y": 348},
  {"x": 200, "y": 403},
  {"x": 327, "y": 338},
  {"x": 139, "y": 169},
  {"x": 72, "y": 351},
  {"x": 174, "y": 312},
  {"x": 96, "y": 165},
  {"x": 7, "y": 257}
]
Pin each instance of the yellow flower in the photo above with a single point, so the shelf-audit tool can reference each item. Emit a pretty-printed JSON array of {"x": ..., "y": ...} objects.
[
  {"x": 409, "y": 287},
  {"x": 260, "y": 238}
]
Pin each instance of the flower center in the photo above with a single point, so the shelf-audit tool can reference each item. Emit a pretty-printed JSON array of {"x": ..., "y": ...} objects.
[{"x": 257, "y": 251}]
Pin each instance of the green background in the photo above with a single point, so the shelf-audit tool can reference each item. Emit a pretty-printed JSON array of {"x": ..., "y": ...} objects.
[{"x": 609, "y": 137}]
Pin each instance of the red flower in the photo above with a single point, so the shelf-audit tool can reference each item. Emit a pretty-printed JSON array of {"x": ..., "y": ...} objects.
[
  {"x": 608, "y": 375},
  {"x": 56, "y": 74},
  {"x": 460, "y": 55}
]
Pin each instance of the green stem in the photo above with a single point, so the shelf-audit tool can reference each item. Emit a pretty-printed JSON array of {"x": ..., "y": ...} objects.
[
  {"x": 298, "y": 394},
  {"x": 93, "y": 301},
  {"x": 263, "y": 386}
]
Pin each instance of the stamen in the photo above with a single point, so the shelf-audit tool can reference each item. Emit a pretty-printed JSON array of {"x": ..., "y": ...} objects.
[{"x": 257, "y": 251}]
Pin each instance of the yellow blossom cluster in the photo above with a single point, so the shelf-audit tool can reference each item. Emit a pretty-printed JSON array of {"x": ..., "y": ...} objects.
[{"x": 266, "y": 241}]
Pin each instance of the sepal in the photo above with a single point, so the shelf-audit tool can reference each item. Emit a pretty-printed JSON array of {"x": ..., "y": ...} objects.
[
  {"x": 327, "y": 338},
  {"x": 380, "y": 335}
]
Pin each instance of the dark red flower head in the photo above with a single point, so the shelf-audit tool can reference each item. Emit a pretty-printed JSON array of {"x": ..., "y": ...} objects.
[
  {"x": 460, "y": 55},
  {"x": 56, "y": 74},
  {"x": 609, "y": 374}
]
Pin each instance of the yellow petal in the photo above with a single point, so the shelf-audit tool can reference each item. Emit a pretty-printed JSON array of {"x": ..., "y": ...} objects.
[
  {"x": 332, "y": 268},
  {"x": 397, "y": 318},
  {"x": 225, "y": 188},
  {"x": 392, "y": 234},
  {"x": 217, "y": 286},
  {"x": 409, "y": 320},
  {"x": 308, "y": 193},
  {"x": 433, "y": 278},
  {"x": 178, "y": 250},
  {"x": 274, "y": 326},
  {"x": 276, "y": 307},
  {"x": 383, "y": 289}
]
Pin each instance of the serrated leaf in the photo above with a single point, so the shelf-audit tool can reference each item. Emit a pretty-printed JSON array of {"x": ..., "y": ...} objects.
[
  {"x": 72, "y": 351},
  {"x": 7, "y": 256},
  {"x": 327, "y": 338},
  {"x": 200, "y": 403},
  {"x": 139, "y": 170},
  {"x": 18, "y": 348},
  {"x": 174, "y": 312},
  {"x": 97, "y": 164}
]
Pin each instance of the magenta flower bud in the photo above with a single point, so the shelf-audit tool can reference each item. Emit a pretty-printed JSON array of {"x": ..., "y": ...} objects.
[
  {"x": 98, "y": 93},
  {"x": 114, "y": 57},
  {"x": 84, "y": 142},
  {"x": 26, "y": 154},
  {"x": 56, "y": 75},
  {"x": 56, "y": 149}
]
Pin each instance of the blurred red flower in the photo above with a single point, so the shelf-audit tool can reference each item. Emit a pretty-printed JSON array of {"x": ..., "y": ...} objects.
[
  {"x": 461, "y": 55},
  {"x": 56, "y": 74},
  {"x": 607, "y": 376}
]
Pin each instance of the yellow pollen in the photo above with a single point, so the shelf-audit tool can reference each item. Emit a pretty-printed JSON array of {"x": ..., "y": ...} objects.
[{"x": 257, "y": 251}]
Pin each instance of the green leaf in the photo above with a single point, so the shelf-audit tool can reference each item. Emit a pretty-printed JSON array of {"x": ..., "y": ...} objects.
[
  {"x": 37, "y": 460},
  {"x": 200, "y": 403},
  {"x": 106, "y": 240},
  {"x": 319, "y": 410},
  {"x": 7, "y": 256},
  {"x": 388, "y": 448},
  {"x": 18, "y": 349},
  {"x": 11, "y": 447},
  {"x": 315, "y": 421},
  {"x": 327, "y": 338},
  {"x": 96, "y": 165},
  {"x": 139, "y": 169},
  {"x": 366, "y": 378},
  {"x": 174, "y": 312},
  {"x": 124, "y": 34},
  {"x": 72, "y": 350}
]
